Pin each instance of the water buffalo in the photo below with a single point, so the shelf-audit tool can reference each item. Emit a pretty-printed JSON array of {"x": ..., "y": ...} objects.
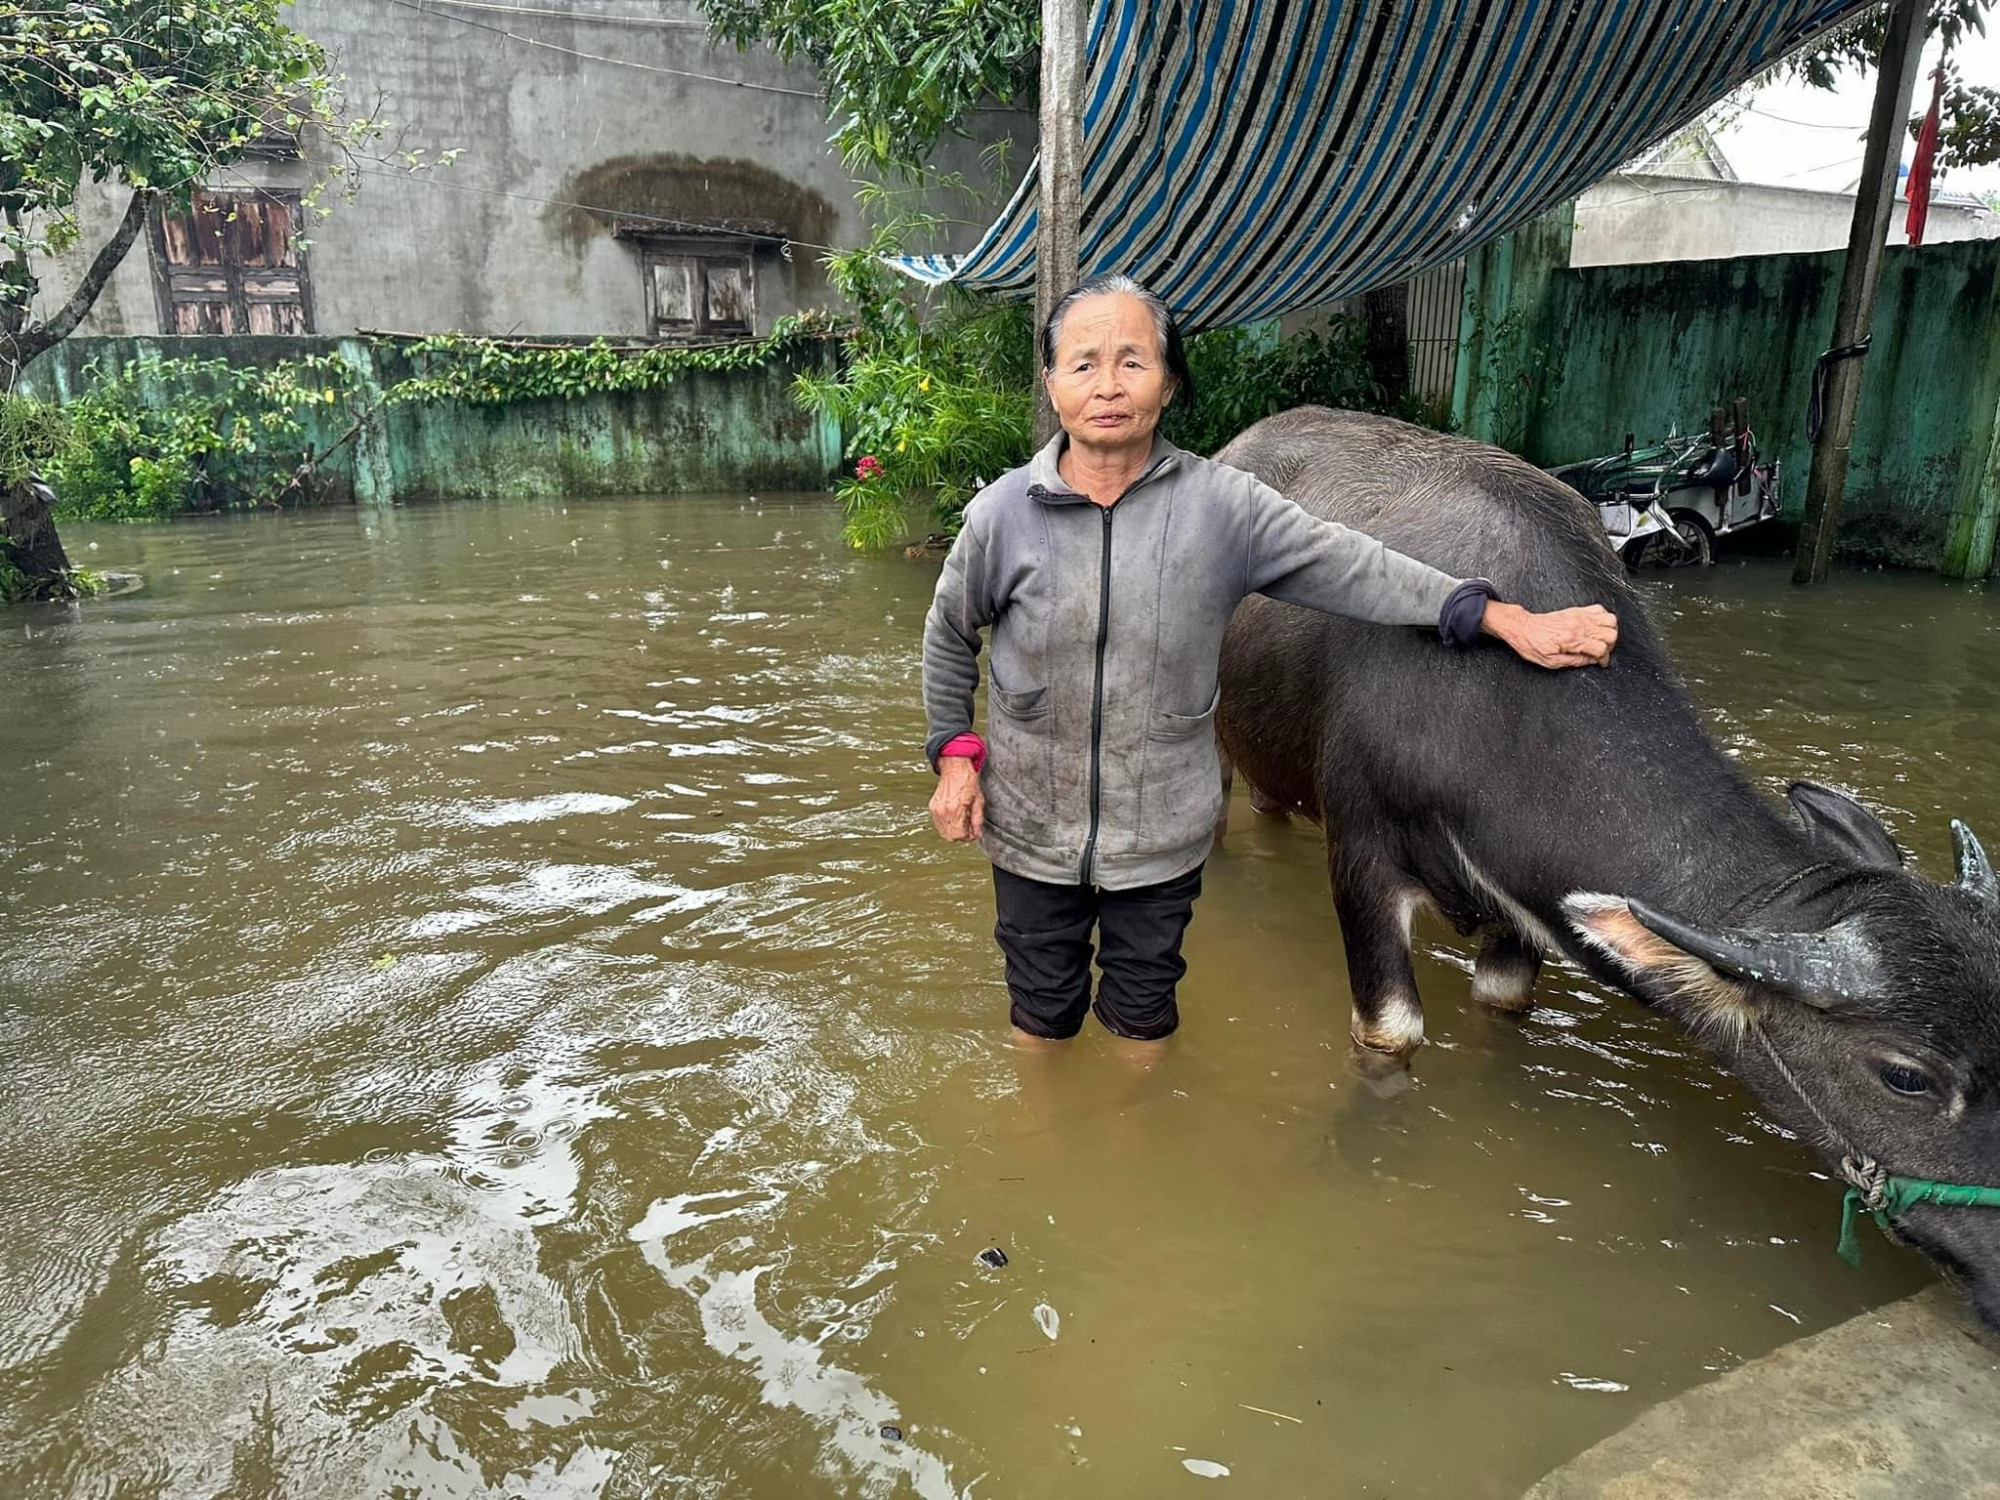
[{"x": 1587, "y": 815}]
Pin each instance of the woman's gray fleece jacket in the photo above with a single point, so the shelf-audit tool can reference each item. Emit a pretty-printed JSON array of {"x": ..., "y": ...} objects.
[{"x": 1107, "y": 625}]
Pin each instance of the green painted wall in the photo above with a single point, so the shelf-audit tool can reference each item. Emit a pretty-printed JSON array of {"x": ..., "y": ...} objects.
[
  {"x": 1609, "y": 349},
  {"x": 706, "y": 431},
  {"x": 1500, "y": 350}
]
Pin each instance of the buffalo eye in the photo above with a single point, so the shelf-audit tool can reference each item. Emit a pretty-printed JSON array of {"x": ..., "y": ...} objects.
[{"x": 1902, "y": 1079}]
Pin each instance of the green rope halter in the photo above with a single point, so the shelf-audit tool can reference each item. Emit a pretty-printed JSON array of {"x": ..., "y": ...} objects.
[
  {"x": 1870, "y": 1185},
  {"x": 1889, "y": 1197}
]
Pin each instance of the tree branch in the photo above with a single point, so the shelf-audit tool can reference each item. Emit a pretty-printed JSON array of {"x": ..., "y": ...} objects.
[{"x": 65, "y": 322}]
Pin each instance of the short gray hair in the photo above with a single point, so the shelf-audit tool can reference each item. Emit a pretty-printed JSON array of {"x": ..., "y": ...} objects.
[{"x": 1117, "y": 283}]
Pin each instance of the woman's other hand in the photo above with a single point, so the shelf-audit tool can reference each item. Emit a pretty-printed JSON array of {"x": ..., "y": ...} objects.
[
  {"x": 1561, "y": 638},
  {"x": 958, "y": 807}
]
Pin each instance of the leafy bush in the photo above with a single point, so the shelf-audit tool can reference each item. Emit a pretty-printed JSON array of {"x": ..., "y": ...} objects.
[
  {"x": 935, "y": 400},
  {"x": 31, "y": 434},
  {"x": 1243, "y": 375},
  {"x": 159, "y": 437},
  {"x": 931, "y": 407}
]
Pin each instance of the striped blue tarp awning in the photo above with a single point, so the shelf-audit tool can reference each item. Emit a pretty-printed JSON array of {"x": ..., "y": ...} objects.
[{"x": 1248, "y": 157}]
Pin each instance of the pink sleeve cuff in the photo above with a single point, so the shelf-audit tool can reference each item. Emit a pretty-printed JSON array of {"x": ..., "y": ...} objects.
[{"x": 969, "y": 746}]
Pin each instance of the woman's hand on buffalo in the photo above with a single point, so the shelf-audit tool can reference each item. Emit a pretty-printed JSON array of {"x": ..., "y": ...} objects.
[
  {"x": 1561, "y": 638},
  {"x": 958, "y": 807}
]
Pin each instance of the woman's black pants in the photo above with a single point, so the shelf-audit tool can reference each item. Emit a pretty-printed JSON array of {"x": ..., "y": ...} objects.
[{"x": 1044, "y": 933}]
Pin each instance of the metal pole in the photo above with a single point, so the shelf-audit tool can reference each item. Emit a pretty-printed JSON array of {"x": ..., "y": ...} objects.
[
  {"x": 1895, "y": 75},
  {"x": 1059, "y": 222}
]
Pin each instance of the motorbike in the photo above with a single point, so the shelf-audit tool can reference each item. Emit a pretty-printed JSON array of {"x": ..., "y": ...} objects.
[{"x": 1667, "y": 505}]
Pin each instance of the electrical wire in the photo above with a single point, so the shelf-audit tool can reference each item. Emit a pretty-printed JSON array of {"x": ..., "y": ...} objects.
[
  {"x": 426, "y": 9},
  {"x": 661, "y": 22},
  {"x": 1751, "y": 109}
]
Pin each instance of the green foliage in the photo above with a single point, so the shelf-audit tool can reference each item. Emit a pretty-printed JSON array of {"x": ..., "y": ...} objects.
[
  {"x": 31, "y": 434},
  {"x": 498, "y": 372},
  {"x": 898, "y": 76},
  {"x": 933, "y": 400},
  {"x": 1969, "y": 121},
  {"x": 937, "y": 398},
  {"x": 17, "y": 587},
  {"x": 159, "y": 437},
  {"x": 1243, "y": 375}
]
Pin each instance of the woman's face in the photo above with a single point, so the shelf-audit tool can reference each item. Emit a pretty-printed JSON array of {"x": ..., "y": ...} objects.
[{"x": 1110, "y": 380}]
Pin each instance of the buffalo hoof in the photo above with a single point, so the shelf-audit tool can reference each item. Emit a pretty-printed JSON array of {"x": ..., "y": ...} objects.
[
  {"x": 1503, "y": 977},
  {"x": 1395, "y": 1030},
  {"x": 1511, "y": 993},
  {"x": 1370, "y": 1063},
  {"x": 1261, "y": 803},
  {"x": 1380, "y": 1074}
]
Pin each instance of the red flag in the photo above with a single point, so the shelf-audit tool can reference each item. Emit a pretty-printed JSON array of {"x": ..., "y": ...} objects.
[{"x": 1919, "y": 189}]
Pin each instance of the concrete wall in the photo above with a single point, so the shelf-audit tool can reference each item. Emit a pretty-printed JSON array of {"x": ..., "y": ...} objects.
[
  {"x": 515, "y": 238},
  {"x": 1610, "y": 349},
  {"x": 1636, "y": 217},
  {"x": 708, "y": 431}
]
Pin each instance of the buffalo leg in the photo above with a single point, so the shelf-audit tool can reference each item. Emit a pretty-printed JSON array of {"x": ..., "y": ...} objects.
[
  {"x": 1375, "y": 902},
  {"x": 1504, "y": 974}
]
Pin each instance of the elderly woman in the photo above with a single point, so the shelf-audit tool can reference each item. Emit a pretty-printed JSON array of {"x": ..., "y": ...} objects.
[{"x": 1107, "y": 569}]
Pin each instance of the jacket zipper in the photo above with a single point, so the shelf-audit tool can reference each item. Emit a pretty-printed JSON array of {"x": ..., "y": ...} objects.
[
  {"x": 1097, "y": 686},
  {"x": 1097, "y": 700}
]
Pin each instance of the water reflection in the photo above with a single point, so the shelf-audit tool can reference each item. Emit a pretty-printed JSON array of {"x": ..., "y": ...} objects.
[{"x": 485, "y": 1016}]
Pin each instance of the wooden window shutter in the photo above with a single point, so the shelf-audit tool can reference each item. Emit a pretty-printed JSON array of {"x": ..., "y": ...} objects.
[
  {"x": 696, "y": 292},
  {"x": 231, "y": 264}
]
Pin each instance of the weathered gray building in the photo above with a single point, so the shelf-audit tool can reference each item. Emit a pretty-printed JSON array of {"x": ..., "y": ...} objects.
[{"x": 619, "y": 174}]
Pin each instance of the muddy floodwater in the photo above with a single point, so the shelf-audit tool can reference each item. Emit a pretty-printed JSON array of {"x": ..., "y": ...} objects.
[{"x": 483, "y": 1014}]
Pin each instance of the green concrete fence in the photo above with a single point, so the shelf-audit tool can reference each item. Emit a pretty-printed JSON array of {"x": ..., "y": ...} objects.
[
  {"x": 706, "y": 431},
  {"x": 1560, "y": 364}
]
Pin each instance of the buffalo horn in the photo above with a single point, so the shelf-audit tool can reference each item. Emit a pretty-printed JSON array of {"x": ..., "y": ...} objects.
[
  {"x": 1975, "y": 871},
  {"x": 1837, "y": 964}
]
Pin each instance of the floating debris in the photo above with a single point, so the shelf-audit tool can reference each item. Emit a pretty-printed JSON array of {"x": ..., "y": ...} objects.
[
  {"x": 892, "y": 1433},
  {"x": 1205, "y": 1468},
  {"x": 1048, "y": 1319},
  {"x": 1588, "y": 1383},
  {"x": 993, "y": 1256}
]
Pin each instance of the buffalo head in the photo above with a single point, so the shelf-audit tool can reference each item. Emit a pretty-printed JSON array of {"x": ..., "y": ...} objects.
[{"x": 1862, "y": 1003}]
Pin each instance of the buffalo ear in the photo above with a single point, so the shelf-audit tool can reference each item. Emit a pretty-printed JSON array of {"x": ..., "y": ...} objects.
[
  {"x": 1837, "y": 824},
  {"x": 1658, "y": 967}
]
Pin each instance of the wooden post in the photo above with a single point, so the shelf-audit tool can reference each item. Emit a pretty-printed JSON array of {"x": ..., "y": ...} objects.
[
  {"x": 1895, "y": 75},
  {"x": 1059, "y": 221}
]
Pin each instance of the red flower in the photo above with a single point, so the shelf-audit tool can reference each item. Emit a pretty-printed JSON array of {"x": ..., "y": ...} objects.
[{"x": 868, "y": 468}]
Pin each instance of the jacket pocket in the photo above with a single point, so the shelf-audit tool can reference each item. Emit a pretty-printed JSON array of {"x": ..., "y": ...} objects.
[
  {"x": 1025, "y": 703},
  {"x": 1019, "y": 779},
  {"x": 1166, "y": 726},
  {"x": 1181, "y": 794}
]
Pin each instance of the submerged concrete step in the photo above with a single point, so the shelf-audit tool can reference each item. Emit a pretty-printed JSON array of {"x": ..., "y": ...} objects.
[{"x": 1902, "y": 1403}]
